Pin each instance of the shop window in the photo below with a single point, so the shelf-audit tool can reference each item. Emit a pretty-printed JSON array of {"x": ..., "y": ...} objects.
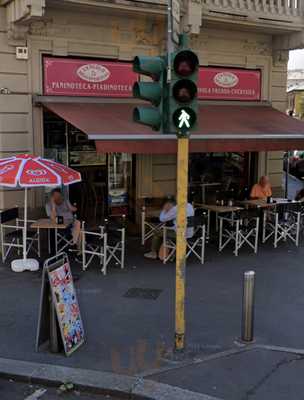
[
  {"x": 220, "y": 172},
  {"x": 106, "y": 187}
]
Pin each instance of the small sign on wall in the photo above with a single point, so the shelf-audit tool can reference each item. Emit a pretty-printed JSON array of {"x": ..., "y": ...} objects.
[
  {"x": 83, "y": 77},
  {"x": 229, "y": 84}
]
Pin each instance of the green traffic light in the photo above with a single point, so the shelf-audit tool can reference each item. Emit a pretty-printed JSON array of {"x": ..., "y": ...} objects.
[
  {"x": 147, "y": 116},
  {"x": 184, "y": 118},
  {"x": 151, "y": 66},
  {"x": 153, "y": 91},
  {"x": 183, "y": 104},
  {"x": 150, "y": 91}
]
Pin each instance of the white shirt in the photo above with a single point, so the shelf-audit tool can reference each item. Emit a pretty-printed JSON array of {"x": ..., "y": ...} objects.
[{"x": 171, "y": 216}]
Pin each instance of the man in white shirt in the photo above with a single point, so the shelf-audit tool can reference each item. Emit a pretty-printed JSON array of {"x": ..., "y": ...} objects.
[{"x": 168, "y": 213}]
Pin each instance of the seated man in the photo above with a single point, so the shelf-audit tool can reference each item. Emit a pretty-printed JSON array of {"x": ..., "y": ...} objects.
[
  {"x": 261, "y": 190},
  {"x": 168, "y": 213},
  {"x": 59, "y": 207}
]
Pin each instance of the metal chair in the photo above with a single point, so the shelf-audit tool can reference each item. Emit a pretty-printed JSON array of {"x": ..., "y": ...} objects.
[
  {"x": 63, "y": 238},
  {"x": 116, "y": 243},
  {"x": 11, "y": 233},
  {"x": 107, "y": 244},
  {"x": 195, "y": 244},
  {"x": 241, "y": 228},
  {"x": 282, "y": 222},
  {"x": 149, "y": 225},
  {"x": 94, "y": 245}
]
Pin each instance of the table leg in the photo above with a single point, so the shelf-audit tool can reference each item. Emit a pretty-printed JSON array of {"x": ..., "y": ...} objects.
[
  {"x": 53, "y": 328},
  {"x": 208, "y": 225},
  {"x": 203, "y": 194},
  {"x": 49, "y": 241},
  {"x": 56, "y": 242}
]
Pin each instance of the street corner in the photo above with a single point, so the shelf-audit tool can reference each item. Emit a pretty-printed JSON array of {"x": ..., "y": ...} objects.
[{"x": 256, "y": 372}]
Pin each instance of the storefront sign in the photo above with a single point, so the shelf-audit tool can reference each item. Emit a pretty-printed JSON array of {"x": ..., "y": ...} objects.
[
  {"x": 82, "y": 77},
  {"x": 229, "y": 84}
]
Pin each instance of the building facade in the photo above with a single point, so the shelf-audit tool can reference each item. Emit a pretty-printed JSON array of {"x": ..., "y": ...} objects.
[
  {"x": 253, "y": 35},
  {"x": 295, "y": 93}
]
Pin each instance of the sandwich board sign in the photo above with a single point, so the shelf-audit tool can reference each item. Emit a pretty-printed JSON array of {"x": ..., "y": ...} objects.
[{"x": 60, "y": 321}]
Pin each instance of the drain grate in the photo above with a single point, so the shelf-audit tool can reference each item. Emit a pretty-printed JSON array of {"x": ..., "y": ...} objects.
[{"x": 140, "y": 293}]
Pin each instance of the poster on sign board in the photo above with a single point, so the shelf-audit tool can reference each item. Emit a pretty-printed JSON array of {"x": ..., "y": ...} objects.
[{"x": 67, "y": 308}]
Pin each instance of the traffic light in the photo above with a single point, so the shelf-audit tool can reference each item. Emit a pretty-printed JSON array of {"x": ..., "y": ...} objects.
[
  {"x": 154, "y": 67},
  {"x": 183, "y": 91}
]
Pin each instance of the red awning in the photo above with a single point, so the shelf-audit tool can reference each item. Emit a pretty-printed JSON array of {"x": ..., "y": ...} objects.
[{"x": 221, "y": 127}]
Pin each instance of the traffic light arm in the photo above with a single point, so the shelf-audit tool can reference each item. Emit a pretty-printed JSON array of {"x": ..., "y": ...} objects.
[{"x": 150, "y": 66}]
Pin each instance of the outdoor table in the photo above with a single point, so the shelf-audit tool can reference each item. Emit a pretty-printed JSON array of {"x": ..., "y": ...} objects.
[
  {"x": 46, "y": 223},
  {"x": 203, "y": 187},
  {"x": 263, "y": 203},
  {"x": 153, "y": 213},
  {"x": 217, "y": 209}
]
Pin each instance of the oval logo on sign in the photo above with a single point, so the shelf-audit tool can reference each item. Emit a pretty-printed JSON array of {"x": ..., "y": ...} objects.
[
  {"x": 36, "y": 172},
  {"x": 226, "y": 79},
  {"x": 93, "y": 73},
  {"x": 6, "y": 169}
]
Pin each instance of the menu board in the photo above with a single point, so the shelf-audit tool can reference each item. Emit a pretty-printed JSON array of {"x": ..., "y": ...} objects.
[{"x": 66, "y": 306}]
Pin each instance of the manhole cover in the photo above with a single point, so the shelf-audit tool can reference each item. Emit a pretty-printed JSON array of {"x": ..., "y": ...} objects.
[{"x": 139, "y": 293}]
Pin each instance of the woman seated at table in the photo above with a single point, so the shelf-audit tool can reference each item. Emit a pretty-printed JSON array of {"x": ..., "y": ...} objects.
[
  {"x": 168, "y": 213},
  {"x": 59, "y": 207},
  {"x": 261, "y": 190}
]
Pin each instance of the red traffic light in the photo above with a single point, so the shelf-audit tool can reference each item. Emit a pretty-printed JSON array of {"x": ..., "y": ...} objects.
[{"x": 185, "y": 63}]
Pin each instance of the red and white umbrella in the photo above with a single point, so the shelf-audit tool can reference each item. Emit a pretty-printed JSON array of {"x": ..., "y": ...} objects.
[{"x": 26, "y": 170}]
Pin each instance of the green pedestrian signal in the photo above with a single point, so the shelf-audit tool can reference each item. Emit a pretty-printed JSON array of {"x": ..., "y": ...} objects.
[
  {"x": 183, "y": 104},
  {"x": 184, "y": 119},
  {"x": 153, "y": 92}
]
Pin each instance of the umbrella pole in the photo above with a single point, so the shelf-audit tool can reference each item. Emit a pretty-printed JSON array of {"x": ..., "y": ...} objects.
[{"x": 25, "y": 224}]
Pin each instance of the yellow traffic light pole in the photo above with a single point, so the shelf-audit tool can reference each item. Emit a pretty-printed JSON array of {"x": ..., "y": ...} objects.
[{"x": 181, "y": 246}]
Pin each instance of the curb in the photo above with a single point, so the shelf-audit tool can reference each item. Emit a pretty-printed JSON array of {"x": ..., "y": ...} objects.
[{"x": 94, "y": 381}]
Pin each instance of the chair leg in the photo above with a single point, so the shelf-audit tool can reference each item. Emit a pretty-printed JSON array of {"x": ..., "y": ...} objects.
[
  {"x": 276, "y": 227},
  {"x": 237, "y": 234},
  {"x": 221, "y": 234},
  {"x": 298, "y": 228},
  {"x": 143, "y": 228},
  {"x": 56, "y": 241},
  {"x": 203, "y": 244},
  {"x": 39, "y": 244},
  {"x": 2, "y": 245},
  {"x": 123, "y": 237},
  {"x": 264, "y": 227},
  {"x": 256, "y": 235},
  {"x": 164, "y": 245},
  {"x": 83, "y": 245},
  {"x": 105, "y": 261}
]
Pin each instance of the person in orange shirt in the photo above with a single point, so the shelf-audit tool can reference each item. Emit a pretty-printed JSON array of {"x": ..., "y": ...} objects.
[{"x": 261, "y": 190}]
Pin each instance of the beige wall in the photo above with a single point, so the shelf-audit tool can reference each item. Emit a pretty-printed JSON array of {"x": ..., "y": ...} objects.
[
  {"x": 117, "y": 36},
  {"x": 235, "y": 49},
  {"x": 15, "y": 108}
]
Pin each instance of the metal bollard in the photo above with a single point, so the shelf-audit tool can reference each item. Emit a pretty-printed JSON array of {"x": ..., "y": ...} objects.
[{"x": 248, "y": 307}]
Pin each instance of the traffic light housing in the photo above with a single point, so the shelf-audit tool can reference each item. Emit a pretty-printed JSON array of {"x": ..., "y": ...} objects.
[
  {"x": 183, "y": 105},
  {"x": 153, "y": 91}
]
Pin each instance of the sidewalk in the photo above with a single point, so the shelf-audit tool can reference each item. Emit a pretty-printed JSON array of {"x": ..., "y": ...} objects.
[{"x": 130, "y": 336}]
